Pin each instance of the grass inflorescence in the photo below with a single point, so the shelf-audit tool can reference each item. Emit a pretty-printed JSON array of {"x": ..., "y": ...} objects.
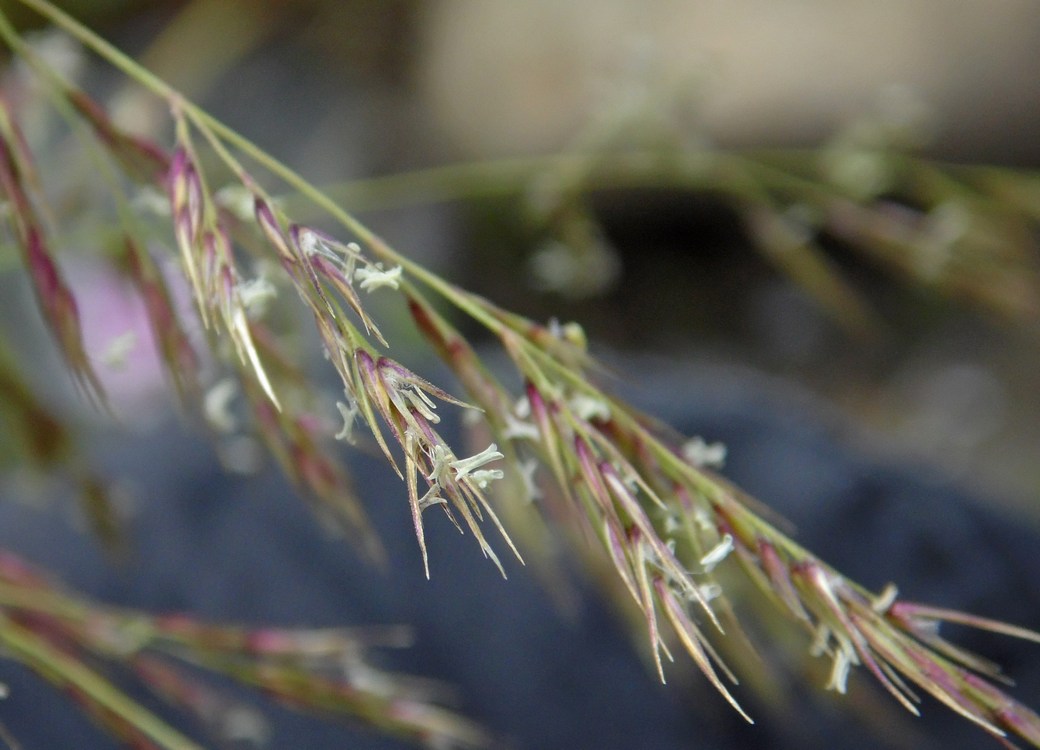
[{"x": 639, "y": 501}]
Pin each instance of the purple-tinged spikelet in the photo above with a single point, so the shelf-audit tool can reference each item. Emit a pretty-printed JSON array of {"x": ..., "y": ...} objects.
[
  {"x": 175, "y": 349},
  {"x": 60, "y": 312},
  {"x": 140, "y": 159}
]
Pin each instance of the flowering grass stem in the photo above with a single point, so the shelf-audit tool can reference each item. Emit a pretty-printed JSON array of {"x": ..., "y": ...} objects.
[{"x": 634, "y": 496}]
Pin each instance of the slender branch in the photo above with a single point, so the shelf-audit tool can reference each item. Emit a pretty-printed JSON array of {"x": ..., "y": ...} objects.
[{"x": 67, "y": 671}]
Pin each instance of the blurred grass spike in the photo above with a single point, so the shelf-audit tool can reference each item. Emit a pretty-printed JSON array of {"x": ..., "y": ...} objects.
[
  {"x": 140, "y": 159},
  {"x": 174, "y": 347},
  {"x": 323, "y": 671},
  {"x": 53, "y": 295}
]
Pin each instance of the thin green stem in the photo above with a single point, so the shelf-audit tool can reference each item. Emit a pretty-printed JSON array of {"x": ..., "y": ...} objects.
[
  {"x": 56, "y": 86},
  {"x": 110, "y": 53},
  {"x": 781, "y": 168},
  {"x": 214, "y": 129},
  {"x": 42, "y": 602},
  {"x": 67, "y": 671}
]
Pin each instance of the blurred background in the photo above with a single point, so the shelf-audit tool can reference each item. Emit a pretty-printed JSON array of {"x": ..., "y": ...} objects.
[
  {"x": 351, "y": 90},
  {"x": 665, "y": 273}
]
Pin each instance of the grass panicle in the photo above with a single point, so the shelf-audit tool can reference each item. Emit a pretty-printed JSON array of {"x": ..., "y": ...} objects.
[{"x": 636, "y": 500}]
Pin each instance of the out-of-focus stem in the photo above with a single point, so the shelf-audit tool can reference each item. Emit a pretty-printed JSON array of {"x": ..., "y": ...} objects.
[{"x": 68, "y": 672}]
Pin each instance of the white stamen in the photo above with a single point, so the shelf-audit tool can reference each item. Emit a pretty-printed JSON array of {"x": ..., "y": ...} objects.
[
  {"x": 522, "y": 408},
  {"x": 704, "y": 455},
  {"x": 574, "y": 335},
  {"x": 441, "y": 460},
  {"x": 528, "y": 468},
  {"x": 308, "y": 242},
  {"x": 703, "y": 519},
  {"x": 464, "y": 466},
  {"x": 718, "y": 553},
  {"x": 311, "y": 243},
  {"x": 517, "y": 429},
  {"x": 374, "y": 277},
  {"x": 844, "y": 659},
  {"x": 349, "y": 414},
  {"x": 118, "y": 348},
  {"x": 926, "y": 627},
  {"x": 421, "y": 403},
  {"x": 483, "y": 477},
  {"x": 430, "y": 499},
  {"x": 406, "y": 394},
  {"x": 588, "y": 407},
  {"x": 255, "y": 294},
  {"x": 709, "y": 591},
  {"x": 217, "y": 403},
  {"x": 885, "y": 599},
  {"x": 238, "y": 199}
]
